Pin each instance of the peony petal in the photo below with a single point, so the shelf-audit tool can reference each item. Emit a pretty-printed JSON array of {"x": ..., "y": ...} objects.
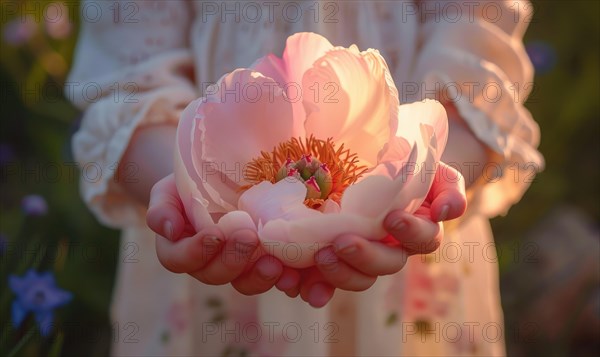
[
  {"x": 187, "y": 180},
  {"x": 220, "y": 183},
  {"x": 395, "y": 150},
  {"x": 417, "y": 187},
  {"x": 295, "y": 242},
  {"x": 393, "y": 185},
  {"x": 273, "y": 67},
  {"x": 293, "y": 232},
  {"x": 429, "y": 112},
  {"x": 283, "y": 200},
  {"x": 428, "y": 115},
  {"x": 302, "y": 50},
  {"x": 330, "y": 206},
  {"x": 247, "y": 113},
  {"x": 350, "y": 96},
  {"x": 425, "y": 125},
  {"x": 374, "y": 196},
  {"x": 234, "y": 221}
]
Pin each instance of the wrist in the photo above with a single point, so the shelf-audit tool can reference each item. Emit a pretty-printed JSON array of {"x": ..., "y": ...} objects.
[{"x": 148, "y": 158}]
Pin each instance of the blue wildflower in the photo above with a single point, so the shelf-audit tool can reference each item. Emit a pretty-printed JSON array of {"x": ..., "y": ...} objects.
[
  {"x": 542, "y": 55},
  {"x": 34, "y": 205},
  {"x": 7, "y": 154},
  {"x": 37, "y": 293}
]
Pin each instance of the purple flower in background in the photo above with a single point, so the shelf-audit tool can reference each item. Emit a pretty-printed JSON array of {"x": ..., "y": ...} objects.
[
  {"x": 38, "y": 294},
  {"x": 7, "y": 154},
  {"x": 19, "y": 30},
  {"x": 542, "y": 55},
  {"x": 34, "y": 205}
]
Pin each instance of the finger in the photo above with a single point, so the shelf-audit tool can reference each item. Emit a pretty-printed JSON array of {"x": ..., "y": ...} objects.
[
  {"x": 416, "y": 235},
  {"x": 370, "y": 258},
  {"x": 289, "y": 282},
  {"x": 191, "y": 253},
  {"x": 231, "y": 261},
  {"x": 260, "y": 278},
  {"x": 319, "y": 294},
  {"x": 447, "y": 194},
  {"x": 340, "y": 274},
  {"x": 314, "y": 289},
  {"x": 165, "y": 214}
]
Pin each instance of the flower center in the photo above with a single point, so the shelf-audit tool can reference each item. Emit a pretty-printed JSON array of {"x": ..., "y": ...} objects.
[
  {"x": 325, "y": 171},
  {"x": 39, "y": 297}
]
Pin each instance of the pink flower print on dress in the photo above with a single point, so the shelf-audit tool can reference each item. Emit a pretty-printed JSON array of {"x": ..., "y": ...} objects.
[{"x": 178, "y": 316}]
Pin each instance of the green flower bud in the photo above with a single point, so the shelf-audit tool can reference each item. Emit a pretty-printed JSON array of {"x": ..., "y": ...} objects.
[
  {"x": 312, "y": 188},
  {"x": 324, "y": 180},
  {"x": 306, "y": 173}
]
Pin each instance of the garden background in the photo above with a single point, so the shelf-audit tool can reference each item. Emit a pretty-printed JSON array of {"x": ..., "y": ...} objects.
[{"x": 549, "y": 242}]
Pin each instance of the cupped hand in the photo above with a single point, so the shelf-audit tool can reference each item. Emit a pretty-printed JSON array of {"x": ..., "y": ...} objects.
[
  {"x": 354, "y": 263},
  {"x": 207, "y": 255},
  {"x": 350, "y": 263}
]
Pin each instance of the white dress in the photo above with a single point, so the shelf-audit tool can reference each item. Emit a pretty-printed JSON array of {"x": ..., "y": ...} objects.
[{"x": 151, "y": 58}]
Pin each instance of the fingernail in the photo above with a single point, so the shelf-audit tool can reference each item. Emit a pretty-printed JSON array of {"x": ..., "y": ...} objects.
[
  {"x": 245, "y": 249},
  {"x": 245, "y": 242},
  {"x": 168, "y": 229},
  {"x": 346, "y": 248},
  {"x": 327, "y": 259},
  {"x": 286, "y": 282},
  {"x": 211, "y": 244},
  {"x": 244, "y": 236},
  {"x": 318, "y": 295},
  {"x": 211, "y": 240},
  {"x": 398, "y": 225},
  {"x": 444, "y": 213},
  {"x": 267, "y": 270}
]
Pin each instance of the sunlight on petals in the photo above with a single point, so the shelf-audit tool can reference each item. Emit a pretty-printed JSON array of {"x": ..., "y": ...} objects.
[
  {"x": 302, "y": 173},
  {"x": 350, "y": 97}
]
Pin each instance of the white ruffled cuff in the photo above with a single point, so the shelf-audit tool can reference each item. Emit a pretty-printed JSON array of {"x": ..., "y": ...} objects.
[
  {"x": 487, "y": 75},
  {"x": 103, "y": 138}
]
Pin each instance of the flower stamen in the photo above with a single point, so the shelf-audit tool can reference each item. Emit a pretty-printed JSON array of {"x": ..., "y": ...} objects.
[{"x": 325, "y": 170}]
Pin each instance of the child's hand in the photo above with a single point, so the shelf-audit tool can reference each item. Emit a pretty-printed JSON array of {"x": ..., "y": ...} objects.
[
  {"x": 354, "y": 263},
  {"x": 207, "y": 255}
]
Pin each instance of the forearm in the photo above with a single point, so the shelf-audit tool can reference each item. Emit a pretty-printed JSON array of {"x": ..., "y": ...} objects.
[
  {"x": 463, "y": 150},
  {"x": 150, "y": 152}
]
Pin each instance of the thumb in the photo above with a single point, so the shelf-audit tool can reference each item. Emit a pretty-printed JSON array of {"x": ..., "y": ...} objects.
[{"x": 165, "y": 215}]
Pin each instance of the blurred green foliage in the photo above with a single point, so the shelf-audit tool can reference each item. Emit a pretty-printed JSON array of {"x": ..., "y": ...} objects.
[
  {"x": 35, "y": 132},
  {"x": 36, "y": 124},
  {"x": 566, "y": 106}
]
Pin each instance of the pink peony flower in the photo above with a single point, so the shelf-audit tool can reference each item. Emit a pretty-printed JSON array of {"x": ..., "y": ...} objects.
[{"x": 306, "y": 147}]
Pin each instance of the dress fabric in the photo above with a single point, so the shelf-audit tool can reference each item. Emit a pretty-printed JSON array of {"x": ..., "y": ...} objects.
[{"x": 151, "y": 68}]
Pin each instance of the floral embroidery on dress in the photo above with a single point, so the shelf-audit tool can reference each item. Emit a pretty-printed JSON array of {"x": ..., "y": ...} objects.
[
  {"x": 423, "y": 294},
  {"x": 177, "y": 319},
  {"x": 431, "y": 292}
]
